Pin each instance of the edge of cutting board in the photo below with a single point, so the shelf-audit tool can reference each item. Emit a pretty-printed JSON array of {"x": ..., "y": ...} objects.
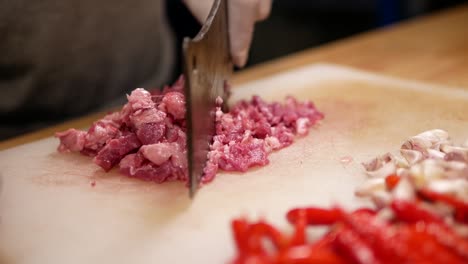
[{"x": 322, "y": 71}]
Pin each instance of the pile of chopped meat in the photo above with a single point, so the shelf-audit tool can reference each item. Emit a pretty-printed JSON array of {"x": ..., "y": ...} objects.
[
  {"x": 147, "y": 137},
  {"x": 420, "y": 214},
  {"x": 253, "y": 129}
]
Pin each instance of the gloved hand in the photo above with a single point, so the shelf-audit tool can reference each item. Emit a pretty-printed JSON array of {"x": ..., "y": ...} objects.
[{"x": 243, "y": 14}]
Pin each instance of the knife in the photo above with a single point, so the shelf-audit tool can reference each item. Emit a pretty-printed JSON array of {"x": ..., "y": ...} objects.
[{"x": 207, "y": 67}]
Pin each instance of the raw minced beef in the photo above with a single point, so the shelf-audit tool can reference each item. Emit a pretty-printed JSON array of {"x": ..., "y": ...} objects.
[
  {"x": 252, "y": 129},
  {"x": 147, "y": 137}
]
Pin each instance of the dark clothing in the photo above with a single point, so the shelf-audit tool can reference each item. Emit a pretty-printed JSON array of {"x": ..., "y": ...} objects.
[{"x": 60, "y": 59}]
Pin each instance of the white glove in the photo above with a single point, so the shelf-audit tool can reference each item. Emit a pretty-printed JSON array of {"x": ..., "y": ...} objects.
[{"x": 243, "y": 14}]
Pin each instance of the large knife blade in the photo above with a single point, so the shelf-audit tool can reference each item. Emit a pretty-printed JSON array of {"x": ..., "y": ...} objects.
[{"x": 207, "y": 66}]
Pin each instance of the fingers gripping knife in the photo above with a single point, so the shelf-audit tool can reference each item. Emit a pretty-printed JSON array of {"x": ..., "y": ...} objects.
[{"x": 207, "y": 67}]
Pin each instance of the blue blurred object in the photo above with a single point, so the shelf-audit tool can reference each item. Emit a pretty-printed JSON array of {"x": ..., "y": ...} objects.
[
  {"x": 391, "y": 11},
  {"x": 388, "y": 12}
]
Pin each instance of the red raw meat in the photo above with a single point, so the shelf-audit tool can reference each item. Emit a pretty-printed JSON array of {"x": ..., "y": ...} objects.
[
  {"x": 147, "y": 138},
  {"x": 115, "y": 150}
]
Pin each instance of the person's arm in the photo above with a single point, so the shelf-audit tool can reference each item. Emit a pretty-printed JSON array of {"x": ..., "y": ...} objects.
[{"x": 243, "y": 14}]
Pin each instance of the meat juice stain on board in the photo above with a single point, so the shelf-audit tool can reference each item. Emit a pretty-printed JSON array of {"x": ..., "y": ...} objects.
[
  {"x": 344, "y": 108},
  {"x": 72, "y": 170},
  {"x": 346, "y": 160},
  {"x": 154, "y": 203},
  {"x": 64, "y": 170}
]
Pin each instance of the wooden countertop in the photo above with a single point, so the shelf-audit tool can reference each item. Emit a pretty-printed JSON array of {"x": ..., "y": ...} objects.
[{"x": 433, "y": 48}]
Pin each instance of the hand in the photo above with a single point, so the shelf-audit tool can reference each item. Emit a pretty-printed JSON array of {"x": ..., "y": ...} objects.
[{"x": 243, "y": 14}]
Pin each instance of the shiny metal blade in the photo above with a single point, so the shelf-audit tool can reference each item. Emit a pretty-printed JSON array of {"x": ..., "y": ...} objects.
[{"x": 207, "y": 66}]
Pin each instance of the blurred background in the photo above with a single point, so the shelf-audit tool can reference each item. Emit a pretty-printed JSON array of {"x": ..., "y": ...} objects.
[{"x": 296, "y": 25}]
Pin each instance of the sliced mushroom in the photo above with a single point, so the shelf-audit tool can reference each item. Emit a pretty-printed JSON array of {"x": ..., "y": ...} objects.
[
  {"x": 435, "y": 154},
  {"x": 428, "y": 160},
  {"x": 428, "y": 139},
  {"x": 378, "y": 162},
  {"x": 455, "y": 152},
  {"x": 412, "y": 156},
  {"x": 370, "y": 186},
  {"x": 456, "y": 187},
  {"x": 404, "y": 190}
]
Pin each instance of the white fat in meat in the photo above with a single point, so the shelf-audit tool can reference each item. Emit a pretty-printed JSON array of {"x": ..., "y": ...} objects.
[{"x": 302, "y": 125}]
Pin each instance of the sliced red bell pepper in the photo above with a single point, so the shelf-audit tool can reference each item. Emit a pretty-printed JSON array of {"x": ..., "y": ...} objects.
[
  {"x": 314, "y": 215},
  {"x": 239, "y": 229},
  {"x": 424, "y": 247},
  {"x": 414, "y": 235},
  {"x": 461, "y": 207},
  {"x": 411, "y": 213},
  {"x": 308, "y": 254},
  {"x": 262, "y": 230},
  {"x": 391, "y": 181},
  {"x": 448, "y": 238},
  {"x": 299, "y": 236},
  {"x": 377, "y": 233},
  {"x": 350, "y": 245}
]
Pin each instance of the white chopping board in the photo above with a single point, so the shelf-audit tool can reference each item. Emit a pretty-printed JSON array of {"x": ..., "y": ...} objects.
[{"x": 50, "y": 212}]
